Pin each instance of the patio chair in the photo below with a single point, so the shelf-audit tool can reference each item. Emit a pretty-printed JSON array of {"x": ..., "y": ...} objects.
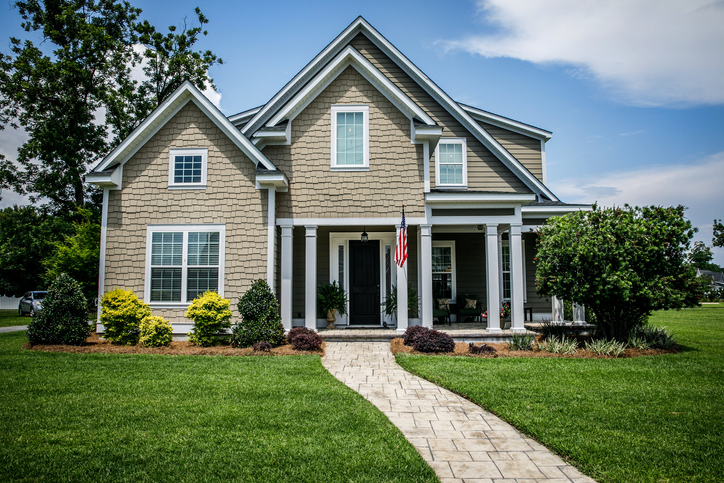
[
  {"x": 441, "y": 310},
  {"x": 469, "y": 306}
]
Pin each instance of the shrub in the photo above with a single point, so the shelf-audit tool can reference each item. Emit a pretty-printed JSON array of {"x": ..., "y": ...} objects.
[
  {"x": 262, "y": 346},
  {"x": 210, "y": 313},
  {"x": 605, "y": 347},
  {"x": 432, "y": 340},
  {"x": 549, "y": 329},
  {"x": 260, "y": 319},
  {"x": 297, "y": 331},
  {"x": 155, "y": 331},
  {"x": 637, "y": 342},
  {"x": 558, "y": 346},
  {"x": 63, "y": 318},
  {"x": 656, "y": 337},
  {"x": 480, "y": 349},
  {"x": 412, "y": 332},
  {"x": 521, "y": 342},
  {"x": 121, "y": 315},
  {"x": 307, "y": 342}
]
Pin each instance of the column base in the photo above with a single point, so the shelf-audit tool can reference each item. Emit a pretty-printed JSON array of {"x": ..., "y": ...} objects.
[
  {"x": 494, "y": 330},
  {"x": 400, "y": 331},
  {"x": 518, "y": 331}
]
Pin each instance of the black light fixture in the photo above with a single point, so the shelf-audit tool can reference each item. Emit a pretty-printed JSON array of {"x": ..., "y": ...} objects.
[{"x": 365, "y": 238}]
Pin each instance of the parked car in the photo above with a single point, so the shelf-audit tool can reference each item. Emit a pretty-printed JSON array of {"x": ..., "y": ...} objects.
[{"x": 31, "y": 303}]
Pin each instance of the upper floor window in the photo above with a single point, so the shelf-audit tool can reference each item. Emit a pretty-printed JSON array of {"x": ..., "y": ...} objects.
[
  {"x": 187, "y": 168},
  {"x": 451, "y": 166},
  {"x": 350, "y": 137}
]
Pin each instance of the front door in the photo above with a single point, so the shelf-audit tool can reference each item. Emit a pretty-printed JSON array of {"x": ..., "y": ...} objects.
[{"x": 364, "y": 281}]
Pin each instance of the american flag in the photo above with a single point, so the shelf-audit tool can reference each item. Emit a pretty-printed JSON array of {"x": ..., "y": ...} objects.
[{"x": 401, "y": 250}]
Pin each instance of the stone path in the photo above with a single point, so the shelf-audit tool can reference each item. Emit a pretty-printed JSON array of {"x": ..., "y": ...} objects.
[
  {"x": 14, "y": 328},
  {"x": 461, "y": 442}
]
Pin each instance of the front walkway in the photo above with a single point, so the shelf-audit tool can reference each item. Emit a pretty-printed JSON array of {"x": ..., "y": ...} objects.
[
  {"x": 460, "y": 441},
  {"x": 13, "y": 328}
]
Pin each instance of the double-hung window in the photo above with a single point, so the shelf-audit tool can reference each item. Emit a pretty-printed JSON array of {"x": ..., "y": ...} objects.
[
  {"x": 183, "y": 261},
  {"x": 505, "y": 272},
  {"x": 187, "y": 168},
  {"x": 350, "y": 137},
  {"x": 451, "y": 163},
  {"x": 443, "y": 270}
]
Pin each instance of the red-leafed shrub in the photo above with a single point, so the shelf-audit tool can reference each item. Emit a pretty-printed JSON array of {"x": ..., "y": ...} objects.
[
  {"x": 307, "y": 342},
  {"x": 412, "y": 332},
  {"x": 298, "y": 331},
  {"x": 262, "y": 346},
  {"x": 432, "y": 340}
]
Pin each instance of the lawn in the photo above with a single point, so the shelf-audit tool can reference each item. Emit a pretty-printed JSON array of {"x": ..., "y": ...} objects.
[
  {"x": 9, "y": 318},
  {"x": 102, "y": 417},
  {"x": 648, "y": 419}
]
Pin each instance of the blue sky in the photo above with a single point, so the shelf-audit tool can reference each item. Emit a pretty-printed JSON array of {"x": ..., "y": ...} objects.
[{"x": 632, "y": 91}]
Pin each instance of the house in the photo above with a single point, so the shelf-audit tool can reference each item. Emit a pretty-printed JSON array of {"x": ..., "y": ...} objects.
[{"x": 194, "y": 200}]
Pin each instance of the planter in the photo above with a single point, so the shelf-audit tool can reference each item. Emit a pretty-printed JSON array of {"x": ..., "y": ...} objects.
[{"x": 331, "y": 318}]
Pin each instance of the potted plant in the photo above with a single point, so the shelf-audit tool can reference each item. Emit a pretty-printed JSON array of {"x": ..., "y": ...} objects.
[
  {"x": 390, "y": 303},
  {"x": 332, "y": 299}
]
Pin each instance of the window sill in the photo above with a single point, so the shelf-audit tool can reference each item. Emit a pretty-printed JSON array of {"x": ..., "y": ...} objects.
[
  {"x": 350, "y": 168},
  {"x": 451, "y": 187},
  {"x": 169, "y": 305},
  {"x": 187, "y": 187}
]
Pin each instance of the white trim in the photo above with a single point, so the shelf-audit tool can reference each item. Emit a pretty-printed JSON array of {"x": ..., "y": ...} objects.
[
  {"x": 426, "y": 166},
  {"x": 248, "y": 114},
  {"x": 271, "y": 239},
  {"x": 276, "y": 180},
  {"x": 349, "y": 221},
  {"x": 507, "y": 123},
  {"x": 102, "y": 262},
  {"x": 310, "y": 277},
  {"x": 506, "y": 243},
  {"x": 544, "y": 170},
  {"x": 425, "y": 275},
  {"x": 185, "y": 229},
  {"x": 491, "y": 278},
  {"x": 351, "y": 108},
  {"x": 287, "y": 276},
  {"x": 458, "y": 197},
  {"x": 464, "y": 183},
  {"x": 554, "y": 210},
  {"x": 172, "y": 153},
  {"x": 453, "y": 272}
]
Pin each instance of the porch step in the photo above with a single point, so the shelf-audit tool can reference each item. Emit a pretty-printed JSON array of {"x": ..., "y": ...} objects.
[{"x": 378, "y": 335}]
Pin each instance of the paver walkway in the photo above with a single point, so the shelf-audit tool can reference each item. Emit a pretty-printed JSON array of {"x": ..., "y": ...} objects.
[{"x": 460, "y": 441}]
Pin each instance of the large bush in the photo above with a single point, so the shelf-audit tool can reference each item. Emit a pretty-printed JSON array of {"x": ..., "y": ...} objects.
[
  {"x": 621, "y": 263},
  {"x": 260, "y": 319},
  {"x": 433, "y": 341},
  {"x": 155, "y": 332},
  {"x": 210, "y": 313},
  {"x": 121, "y": 315},
  {"x": 64, "y": 316},
  {"x": 412, "y": 332}
]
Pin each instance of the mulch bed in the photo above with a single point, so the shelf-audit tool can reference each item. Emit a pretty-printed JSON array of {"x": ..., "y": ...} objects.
[
  {"x": 502, "y": 350},
  {"x": 94, "y": 345}
]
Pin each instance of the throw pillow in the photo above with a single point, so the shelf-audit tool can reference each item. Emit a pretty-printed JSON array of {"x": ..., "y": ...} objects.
[{"x": 471, "y": 303}]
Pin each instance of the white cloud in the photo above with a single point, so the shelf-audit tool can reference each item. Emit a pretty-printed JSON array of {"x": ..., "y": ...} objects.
[
  {"x": 648, "y": 52},
  {"x": 697, "y": 186}
]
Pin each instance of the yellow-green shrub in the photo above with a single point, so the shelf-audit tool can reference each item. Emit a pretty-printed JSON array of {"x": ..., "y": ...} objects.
[
  {"x": 121, "y": 315},
  {"x": 155, "y": 332},
  {"x": 210, "y": 313}
]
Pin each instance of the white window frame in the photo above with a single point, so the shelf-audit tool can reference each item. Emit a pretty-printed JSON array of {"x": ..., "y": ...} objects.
[
  {"x": 451, "y": 244},
  {"x": 464, "y": 143},
  {"x": 506, "y": 243},
  {"x": 365, "y": 110},
  {"x": 172, "y": 153},
  {"x": 185, "y": 229}
]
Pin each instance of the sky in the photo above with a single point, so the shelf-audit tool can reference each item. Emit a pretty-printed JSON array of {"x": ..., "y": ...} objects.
[{"x": 632, "y": 91}]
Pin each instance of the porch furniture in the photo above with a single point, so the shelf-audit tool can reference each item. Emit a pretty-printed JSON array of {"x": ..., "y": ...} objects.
[
  {"x": 441, "y": 310},
  {"x": 469, "y": 306}
]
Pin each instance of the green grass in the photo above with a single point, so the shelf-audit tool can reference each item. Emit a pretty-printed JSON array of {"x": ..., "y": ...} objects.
[
  {"x": 9, "y": 318},
  {"x": 101, "y": 417},
  {"x": 647, "y": 419}
]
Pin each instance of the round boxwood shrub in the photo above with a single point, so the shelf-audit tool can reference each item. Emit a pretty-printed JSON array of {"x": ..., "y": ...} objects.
[
  {"x": 307, "y": 342},
  {"x": 298, "y": 331},
  {"x": 121, "y": 315},
  {"x": 433, "y": 341},
  {"x": 64, "y": 316},
  {"x": 260, "y": 319},
  {"x": 412, "y": 332},
  {"x": 155, "y": 332},
  {"x": 211, "y": 315}
]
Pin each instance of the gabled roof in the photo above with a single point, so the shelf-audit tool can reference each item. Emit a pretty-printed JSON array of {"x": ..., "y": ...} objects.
[
  {"x": 268, "y": 112},
  {"x": 186, "y": 93},
  {"x": 507, "y": 123}
]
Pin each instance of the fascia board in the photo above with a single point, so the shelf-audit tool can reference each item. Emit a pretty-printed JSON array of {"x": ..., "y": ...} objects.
[
  {"x": 554, "y": 210},
  {"x": 505, "y": 123},
  {"x": 105, "y": 180},
  {"x": 443, "y": 198},
  {"x": 244, "y": 115},
  {"x": 350, "y": 56}
]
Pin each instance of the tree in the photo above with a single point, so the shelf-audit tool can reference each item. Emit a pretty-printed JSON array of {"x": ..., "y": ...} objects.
[
  {"x": 718, "y": 240},
  {"x": 701, "y": 257},
  {"x": 621, "y": 263},
  {"x": 64, "y": 316}
]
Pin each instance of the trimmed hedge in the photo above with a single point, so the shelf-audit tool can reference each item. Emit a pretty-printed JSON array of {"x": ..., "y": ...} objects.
[
  {"x": 210, "y": 313},
  {"x": 307, "y": 342},
  {"x": 121, "y": 315},
  {"x": 155, "y": 332},
  {"x": 64, "y": 316},
  {"x": 260, "y": 319}
]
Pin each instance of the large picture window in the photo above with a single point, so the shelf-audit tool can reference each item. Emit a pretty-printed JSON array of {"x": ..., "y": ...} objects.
[
  {"x": 350, "y": 137},
  {"x": 183, "y": 261},
  {"x": 443, "y": 270},
  {"x": 451, "y": 168},
  {"x": 187, "y": 168}
]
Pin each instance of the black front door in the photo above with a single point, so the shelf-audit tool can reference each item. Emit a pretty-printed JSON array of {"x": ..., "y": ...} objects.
[{"x": 364, "y": 281}]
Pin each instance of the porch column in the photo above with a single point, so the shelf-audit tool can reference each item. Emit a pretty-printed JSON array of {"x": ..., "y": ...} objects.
[
  {"x": 426, "y": 271},
  {"x": 401, "y": 292},
  {"x": 310, "y": 278},
  {"x": 579, "y": 314},
  {"x": 557, "y": 314},
  {"x": 271, "y": 238},
  {"x": 492, "y": 277},
  {"x": 286, "y": 298},
  {"x": 517, "y": 288}
]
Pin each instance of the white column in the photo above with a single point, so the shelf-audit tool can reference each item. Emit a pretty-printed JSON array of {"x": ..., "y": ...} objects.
[
  {"x": 286, "y": 299},
  {"x": 310, "y": 278},
  {"x": 517, "y": 284},
  {"x": 426, "y": 271},
  {"x": 401, "y": 293},
  {"x": 492, "y": 277},
  {"x": 102, "y": 261},
  {"x": 557, "y": 313},
  {"x": 271, "y": 239},
  {"x": 579, "y": 314}
]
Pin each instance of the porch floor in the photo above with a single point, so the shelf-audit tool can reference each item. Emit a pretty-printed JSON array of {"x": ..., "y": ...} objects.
[{"x": 460, "y": 332}]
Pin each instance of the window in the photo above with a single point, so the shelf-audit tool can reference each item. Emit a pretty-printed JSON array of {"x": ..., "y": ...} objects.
[
  {"x": 505, "y": 272},
  {"x": 187, "y": 168},
  {"x": 350, "y": 137},
  {"x": 451, "y": 163},
  {"x": 183, "y": 262},
  {"x": 443, "y": 270}
]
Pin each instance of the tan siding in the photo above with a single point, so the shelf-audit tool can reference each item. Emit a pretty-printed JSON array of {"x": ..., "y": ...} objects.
[
  {"x": 524, "y": 148},
  {"x": 485, "y": 171},
  {"x": 230, "y": 198}
]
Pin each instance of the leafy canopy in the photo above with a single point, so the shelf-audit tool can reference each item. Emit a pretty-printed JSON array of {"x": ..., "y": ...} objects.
[
  {"x": 718, "y": 239},
  {"x": 622, "y": 263},
  {"x": 64, "y": 316}
]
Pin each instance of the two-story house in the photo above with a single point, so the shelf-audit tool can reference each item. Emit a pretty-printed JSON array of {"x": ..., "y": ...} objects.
[{"x": 194, "y": 200}]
